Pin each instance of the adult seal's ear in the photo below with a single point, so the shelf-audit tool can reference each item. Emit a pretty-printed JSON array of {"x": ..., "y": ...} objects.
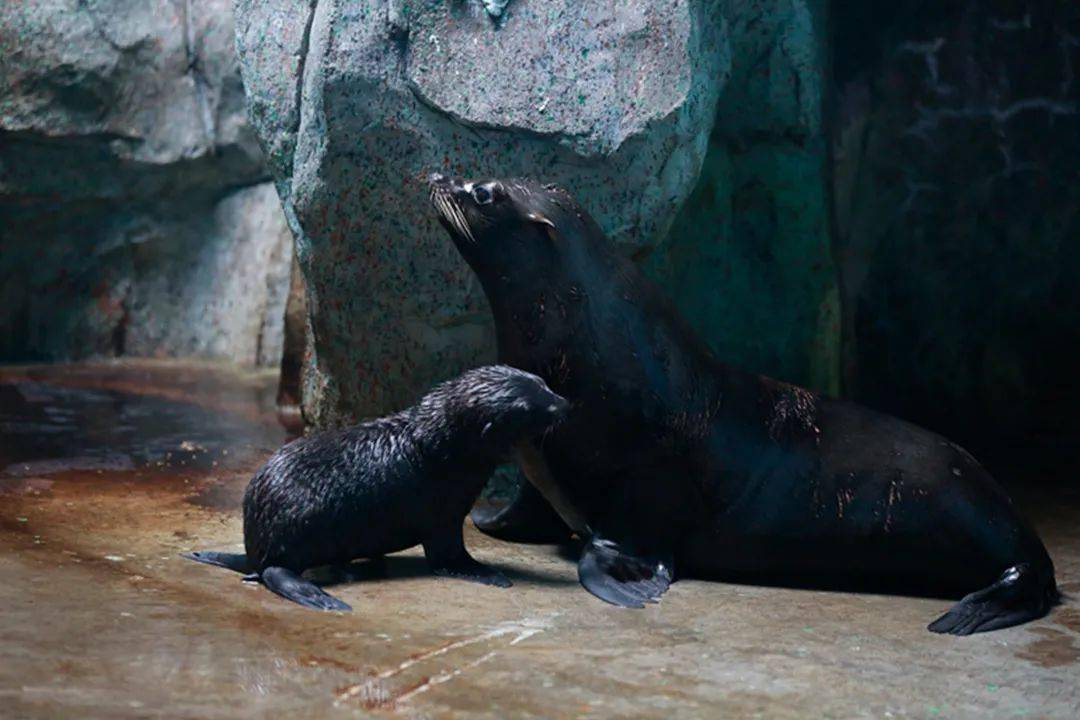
[{"x": 541, "y": 219}]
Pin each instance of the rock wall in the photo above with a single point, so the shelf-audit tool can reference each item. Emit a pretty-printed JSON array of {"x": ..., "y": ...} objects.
[
  {"x": 796, "y": 173},
  {"x": 136, "y": 214},
  {"x": 356, "y": 101},
  {"x": 749, "y": 258},
  {"x": 957, "y": 195}
]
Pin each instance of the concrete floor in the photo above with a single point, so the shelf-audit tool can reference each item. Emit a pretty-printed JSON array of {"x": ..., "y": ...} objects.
[{"x": 103, "y": 619}]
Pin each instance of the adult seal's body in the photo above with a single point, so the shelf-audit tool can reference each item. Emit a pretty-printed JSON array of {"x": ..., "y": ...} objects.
[
  {"x": 387, "y": 485},
  {"x": 670, "y": 460}
]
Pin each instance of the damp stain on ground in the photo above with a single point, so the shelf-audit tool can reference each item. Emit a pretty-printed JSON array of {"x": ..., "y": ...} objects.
[
  {"x": 109, "y": 472},
  {"x": 1068, "y": 617},
  {"x": 1054, "y": 648}
]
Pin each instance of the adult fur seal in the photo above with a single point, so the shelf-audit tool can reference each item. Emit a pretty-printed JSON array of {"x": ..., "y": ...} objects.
[
  {"x": 670, "y": 459},
  {"x": 388, "y": 484}
]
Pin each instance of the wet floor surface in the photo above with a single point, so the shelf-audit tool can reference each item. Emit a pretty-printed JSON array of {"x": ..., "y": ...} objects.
[{"x": 108, "y": 473}]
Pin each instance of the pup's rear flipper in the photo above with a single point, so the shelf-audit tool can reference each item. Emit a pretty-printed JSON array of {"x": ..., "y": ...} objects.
[
  {"x": 291, "y": 586},
  {"x": 233, "y": 561},
  {"x": 1019, "y": 595}
]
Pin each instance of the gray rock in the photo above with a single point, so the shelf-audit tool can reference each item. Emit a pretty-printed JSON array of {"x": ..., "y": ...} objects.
[
  {"x": 135, "y": 210},
  {"x": 356, "y": 101},
  {"x": 223, "y": 292}
]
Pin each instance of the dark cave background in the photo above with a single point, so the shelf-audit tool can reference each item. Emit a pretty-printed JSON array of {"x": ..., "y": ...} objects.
[{"x": 957, "y": 156}]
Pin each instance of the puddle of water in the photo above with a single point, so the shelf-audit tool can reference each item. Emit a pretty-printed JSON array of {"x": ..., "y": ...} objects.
[{"x": 54, "y": 422}]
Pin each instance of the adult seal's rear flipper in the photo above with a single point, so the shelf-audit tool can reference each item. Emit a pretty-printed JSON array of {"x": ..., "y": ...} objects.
[
  {"x": 291, "y": 586},
  {"x": 616, "y": 576},
  {"x": 528, "y": 518},
  {"x": 1019, "y": 595},
  {"x": 237, "y": 562}
]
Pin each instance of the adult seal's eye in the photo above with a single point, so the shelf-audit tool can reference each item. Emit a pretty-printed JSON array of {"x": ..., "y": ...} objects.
[{"x": 482, "y": 195}]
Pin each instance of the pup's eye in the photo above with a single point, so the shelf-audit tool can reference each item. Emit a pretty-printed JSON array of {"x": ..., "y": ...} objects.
[{"x": 482, "y": 195}]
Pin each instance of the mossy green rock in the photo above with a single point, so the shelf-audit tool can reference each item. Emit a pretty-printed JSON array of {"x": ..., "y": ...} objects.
[{"x": 749, "y": 258}]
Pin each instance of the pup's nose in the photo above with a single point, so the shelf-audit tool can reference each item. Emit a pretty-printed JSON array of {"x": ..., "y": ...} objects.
[{"x": 559, "y": 406}]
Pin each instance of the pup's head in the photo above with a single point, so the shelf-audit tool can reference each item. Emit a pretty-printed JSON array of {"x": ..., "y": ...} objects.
[{"x": 502, "y": 404}]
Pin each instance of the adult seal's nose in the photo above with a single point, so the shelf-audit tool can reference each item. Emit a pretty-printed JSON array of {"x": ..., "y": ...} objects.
[{"x": 436, "y": 179}]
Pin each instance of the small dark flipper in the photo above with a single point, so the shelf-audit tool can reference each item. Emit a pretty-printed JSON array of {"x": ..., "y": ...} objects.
[
  {"x": 291, "y": 586},
  {"x": 236, "y": 562},
  {"x": 615, "y": 576},
  {"x": 528, "y": 518},
  {"x": 1019, "y": 595},
  {"x": 447, "y": 557},
  {"x": 467, "y": 568}
]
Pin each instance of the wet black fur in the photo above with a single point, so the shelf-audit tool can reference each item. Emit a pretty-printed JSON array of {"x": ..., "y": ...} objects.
[
  {"x": 389, "y": 484},
  {"x": 672, "y": 456}
]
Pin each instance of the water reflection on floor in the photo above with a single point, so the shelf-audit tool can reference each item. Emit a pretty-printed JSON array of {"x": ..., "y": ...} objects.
[
  {"x": 47, "y": 429},
  {"x": 109, "y": 472}
]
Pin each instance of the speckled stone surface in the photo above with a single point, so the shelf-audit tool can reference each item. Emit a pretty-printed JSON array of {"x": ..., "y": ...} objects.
[
  {"x": 357, "y": 101},
  {"x": 136, "y": 214}
]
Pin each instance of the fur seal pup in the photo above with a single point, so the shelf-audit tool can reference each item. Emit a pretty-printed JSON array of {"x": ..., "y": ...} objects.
[
  {"x": 670, "y": 459},
  {"x": 388, "y": 484}
]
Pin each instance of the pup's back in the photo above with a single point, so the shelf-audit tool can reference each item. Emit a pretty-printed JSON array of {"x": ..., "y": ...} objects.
[{"x": 337, "y": 495}]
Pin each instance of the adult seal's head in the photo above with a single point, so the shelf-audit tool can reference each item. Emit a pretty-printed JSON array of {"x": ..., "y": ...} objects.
[
  {"x": 479, "y": 213},
  {"x": 498, "y": 224},
  {"x": 534, "y": 250}
]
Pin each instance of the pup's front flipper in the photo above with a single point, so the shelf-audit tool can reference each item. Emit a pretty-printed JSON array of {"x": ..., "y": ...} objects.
[
  {"x": 614, "y": 575},
  {"x": 291, "y": 586},
  {"x": 236, "y": 562},
  {"x": 447, "y": 557}
]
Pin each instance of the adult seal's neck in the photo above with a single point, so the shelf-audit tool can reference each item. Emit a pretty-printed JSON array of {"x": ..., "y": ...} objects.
[
  {"x": 534, "y": 320},
  {"x": 538, "y": 310}
]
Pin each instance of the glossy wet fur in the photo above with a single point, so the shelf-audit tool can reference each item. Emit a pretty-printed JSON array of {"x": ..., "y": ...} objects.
[
  {"x": 670, "y": 453},
  {"x": 389, "y": 484}
]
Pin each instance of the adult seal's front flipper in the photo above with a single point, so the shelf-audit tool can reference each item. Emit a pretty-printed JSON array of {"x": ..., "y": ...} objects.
[
  {"x": 616, "y": 576},
  {"x": 291, "y": 586},
  {"x": 528, "y": 518},
  {"x": 237, "y": 562}
]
